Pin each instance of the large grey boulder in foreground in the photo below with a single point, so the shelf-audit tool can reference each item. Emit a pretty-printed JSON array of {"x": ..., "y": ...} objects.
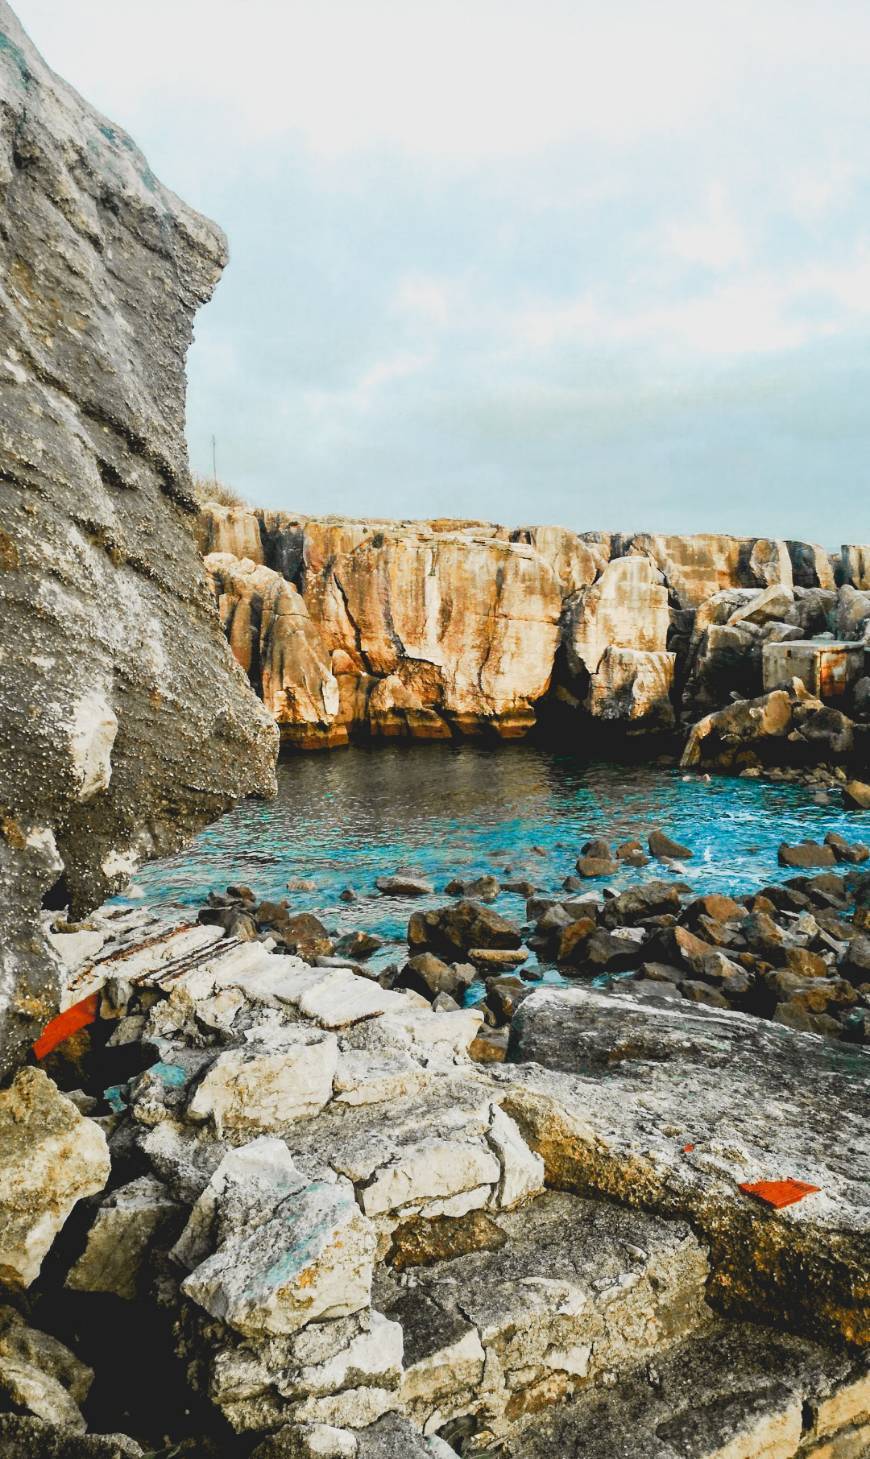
[
  {"x": 672, "y": 1108},
  {"x": 125, "y": 724}
]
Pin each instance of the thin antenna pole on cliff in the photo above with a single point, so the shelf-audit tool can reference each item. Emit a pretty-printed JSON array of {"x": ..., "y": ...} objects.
[{"x": 214, "y": 460}]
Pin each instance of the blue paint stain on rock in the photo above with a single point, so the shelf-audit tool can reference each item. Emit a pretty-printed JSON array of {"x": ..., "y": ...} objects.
[
  {"x": 116, "y": 1098},
  {"x": 171, "y": 1074}
]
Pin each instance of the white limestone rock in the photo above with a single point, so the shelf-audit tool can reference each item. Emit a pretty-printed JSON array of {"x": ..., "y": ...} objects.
[
  {"x": 266, "y": 1088},
  {"x": 522, "y": 1171},
  {"x": 299, "y": 1256},
  {"x": 50, "y": 1158}
]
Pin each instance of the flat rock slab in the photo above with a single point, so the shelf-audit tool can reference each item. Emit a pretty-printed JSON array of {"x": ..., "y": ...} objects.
[
  {"x": 732, "y": 1392},
  {"x": 672, "y": 1107},
  {"x": 577, "y": 1289}
]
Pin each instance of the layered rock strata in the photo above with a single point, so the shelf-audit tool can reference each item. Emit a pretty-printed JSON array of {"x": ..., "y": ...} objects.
[
  {"x": 124, "y": 723},
  {"x": 432, "y": 629}
]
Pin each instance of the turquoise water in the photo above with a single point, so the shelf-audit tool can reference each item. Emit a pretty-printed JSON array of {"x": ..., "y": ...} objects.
[{"x": 343, "y": 818}]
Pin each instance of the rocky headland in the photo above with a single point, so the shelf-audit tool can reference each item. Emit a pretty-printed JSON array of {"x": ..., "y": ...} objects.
[
  {"x": 437, "y": 629},
  {"x": 259, "y": 1201}
]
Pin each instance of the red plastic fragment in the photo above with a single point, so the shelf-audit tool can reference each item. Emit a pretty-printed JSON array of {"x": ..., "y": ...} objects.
[
  {"x": 66, "y": 1024},
  {"x": 687, "y": 1149},
  {"x": 779, "y": 1193}
]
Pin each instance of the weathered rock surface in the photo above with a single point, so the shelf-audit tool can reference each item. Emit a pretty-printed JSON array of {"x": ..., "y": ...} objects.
[
  {"x": 271, "y": 634},
  {"x": 50, "y": 1157},
  {"x": 729, "y": 1391},
  {"x": 366, "y": 638},
  {"x": 124, "y": 723},
  {"x": 696, "y": 567},
  {"x": 413, "y": 1253},
  {"x": 786, "y": 723},
  {"x": 672, "y": 1107}
]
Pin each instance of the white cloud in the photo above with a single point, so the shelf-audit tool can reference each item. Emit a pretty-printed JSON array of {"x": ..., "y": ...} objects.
[
  {"x": 758, "y": 313},
  {"x": 716, "y": 239},
  {"x": 476, "y": 242},
  {"x": 459, "y": 79}
]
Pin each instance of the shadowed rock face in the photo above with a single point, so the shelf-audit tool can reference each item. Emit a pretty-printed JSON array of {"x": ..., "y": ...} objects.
[{"x": 124, "y": 722}]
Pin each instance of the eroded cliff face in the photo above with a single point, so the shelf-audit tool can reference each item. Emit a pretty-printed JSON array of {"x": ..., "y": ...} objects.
[
  {"x": 124, "y": 722},
  {"x": 429, "y": 629}
]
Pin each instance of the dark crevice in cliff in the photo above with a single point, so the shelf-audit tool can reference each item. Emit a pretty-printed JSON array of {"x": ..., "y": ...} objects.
[{"x": 357, "y": 633}]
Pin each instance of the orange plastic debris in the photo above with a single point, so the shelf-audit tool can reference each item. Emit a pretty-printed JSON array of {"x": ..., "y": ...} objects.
[
  {"x": 779, "y": 1193},
  {"x": 687, "y": 1149},
  {"x": 66, "y": 1024}
]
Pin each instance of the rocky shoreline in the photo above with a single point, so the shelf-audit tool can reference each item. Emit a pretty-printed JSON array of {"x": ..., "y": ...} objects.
[
  {"x": 796, "y": 952},
  {"x": 259, "y": 1202},
  {"x": 365, "y": 1223}
]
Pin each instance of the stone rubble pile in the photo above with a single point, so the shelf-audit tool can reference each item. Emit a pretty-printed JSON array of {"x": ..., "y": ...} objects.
[{"x": 367, "y": 1243}]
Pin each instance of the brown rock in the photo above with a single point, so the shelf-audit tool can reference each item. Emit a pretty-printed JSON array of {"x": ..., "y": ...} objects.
[
  {"x": 573, "y": 940},
  {"x": 856, "y": 794},
  {"x": 419, "y": 1242},
  {"x": 805, "y": 854},
  {"x": 662, "y": 847}
]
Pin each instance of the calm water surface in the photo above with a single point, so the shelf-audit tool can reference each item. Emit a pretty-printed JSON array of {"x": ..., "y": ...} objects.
[{"x": 344, "y": 818}]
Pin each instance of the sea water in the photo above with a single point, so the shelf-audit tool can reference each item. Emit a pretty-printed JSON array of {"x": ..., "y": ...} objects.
[{"x": 343, "y": 818}]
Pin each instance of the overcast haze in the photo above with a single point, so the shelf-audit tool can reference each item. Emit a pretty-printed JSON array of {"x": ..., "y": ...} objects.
[{"x": 601, "y": 265}]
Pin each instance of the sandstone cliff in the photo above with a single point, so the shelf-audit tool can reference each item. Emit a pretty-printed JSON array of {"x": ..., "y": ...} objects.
[
  {"x": 124, "y": 724},
  {"x": 429, "y": 629}
]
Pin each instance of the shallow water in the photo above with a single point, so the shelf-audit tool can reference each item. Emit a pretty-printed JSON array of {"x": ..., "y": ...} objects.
[{"x": 343, "y": 818}]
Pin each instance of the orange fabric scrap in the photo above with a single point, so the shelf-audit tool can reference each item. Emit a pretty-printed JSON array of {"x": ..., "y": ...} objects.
[
  {"x": 66, "y": 1024},
  {"x": 779, "y": 1193}
]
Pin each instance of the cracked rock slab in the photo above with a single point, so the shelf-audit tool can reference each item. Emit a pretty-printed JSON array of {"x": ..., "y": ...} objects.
[
  {"x": 672, "y": 1107},
  {"x": 731, "y": 1392},
  {"x": 578, "y": 1289}
]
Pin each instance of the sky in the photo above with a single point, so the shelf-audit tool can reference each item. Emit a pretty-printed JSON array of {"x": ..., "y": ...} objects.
[{"x": 600, "y": 263}]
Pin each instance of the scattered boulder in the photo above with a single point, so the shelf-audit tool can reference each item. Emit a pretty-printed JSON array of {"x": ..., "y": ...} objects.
[
  {"x": 358, "y": 945},
  {"x": 806, "y": 854},
  {"x": 596, "y": 866},
  {"x": 50, "y": 1157},
  {"x": 664, "y": 849},
  {"x": 504, "y": 996},
  {"x": 482, "y": 888},
  {"x": 451, "y": 932},
  {"x": 488, "y": 960},
  {"x": 430, "y": 976},
  {"x": 856, "y": 794},
  {"x": 649, "y": 899},
  {"x": 304, "y": 935},
  {"x": 851, "y": 851}
]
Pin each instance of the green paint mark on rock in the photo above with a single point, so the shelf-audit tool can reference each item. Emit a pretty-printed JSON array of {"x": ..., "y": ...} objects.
[{"x": 24, "y": 71}]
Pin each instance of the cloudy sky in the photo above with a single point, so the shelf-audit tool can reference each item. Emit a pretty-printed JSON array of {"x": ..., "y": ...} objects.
[{"x": 601, "y": 264}]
